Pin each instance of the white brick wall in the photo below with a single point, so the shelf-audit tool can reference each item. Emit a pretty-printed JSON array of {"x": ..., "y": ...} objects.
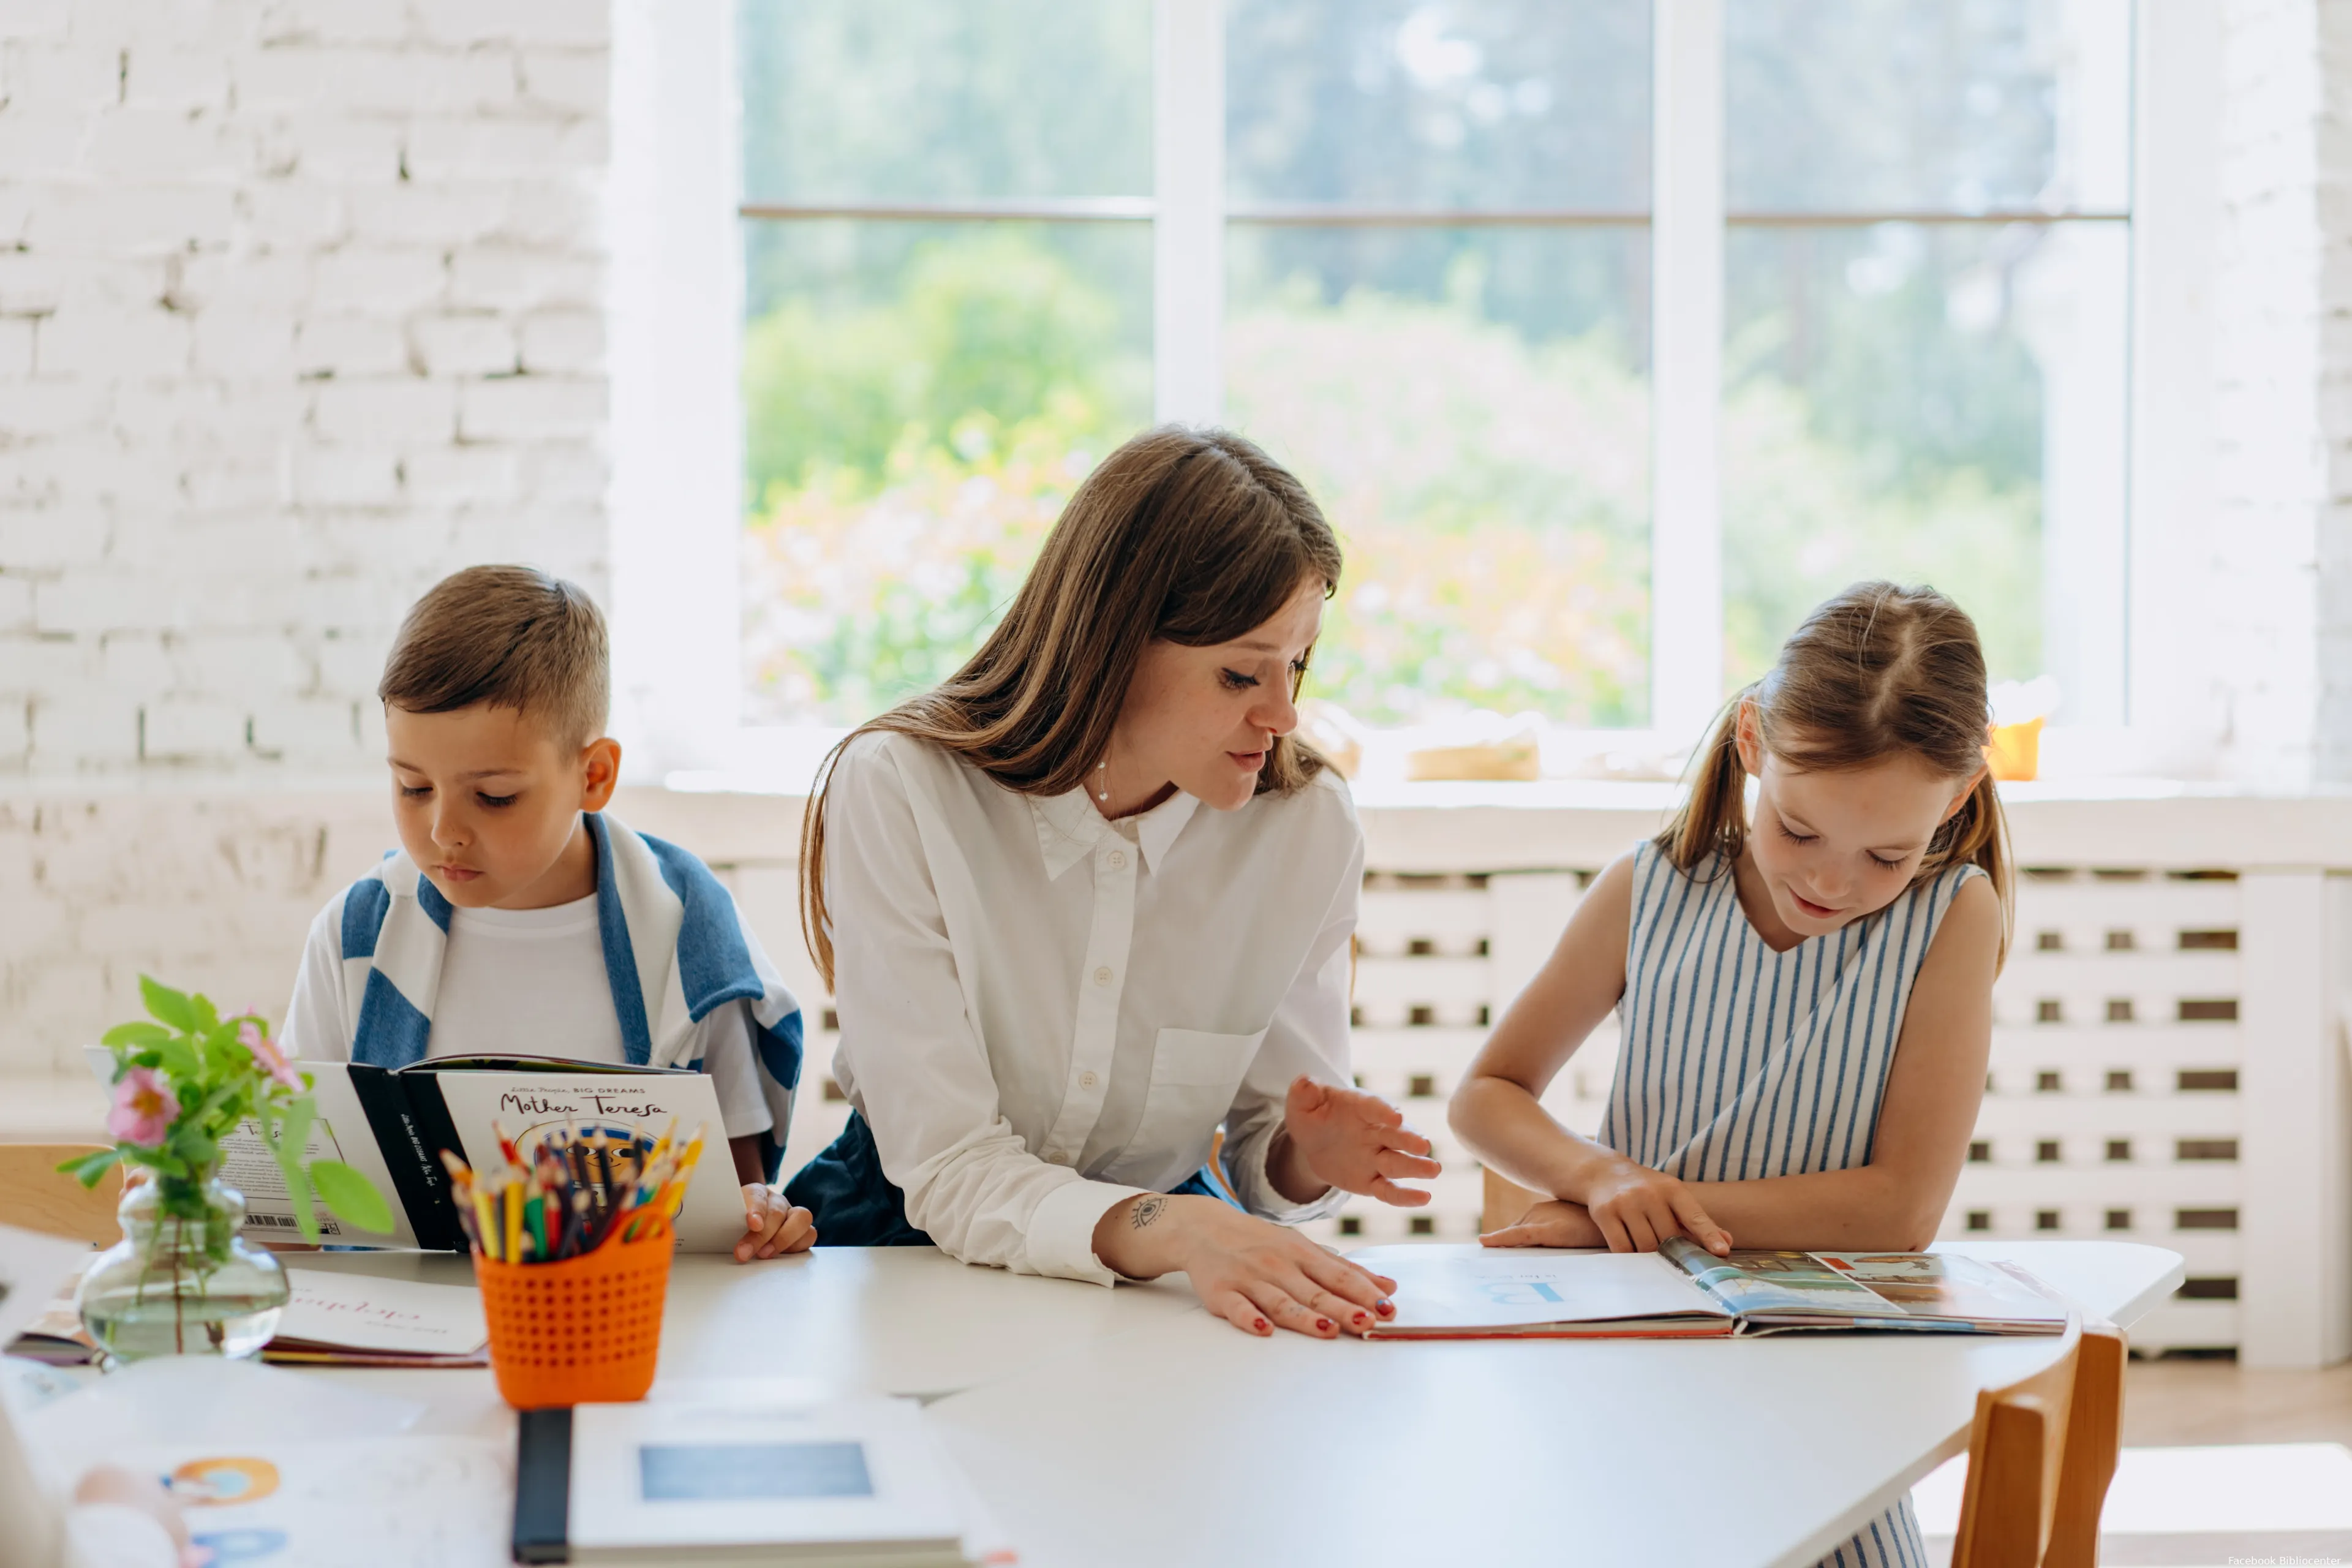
[
  {"x": 301, "y": 307},
  {"x": 2277, "y": 630}
]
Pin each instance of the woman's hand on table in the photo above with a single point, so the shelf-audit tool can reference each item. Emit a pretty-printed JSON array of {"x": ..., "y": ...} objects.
[
  {"x": 771, "y": 1225},
  {"x": 1346, "y": 1138},
  {"x": 1254, "y": 1274},
  {"x": 1627, "y": 1207}
]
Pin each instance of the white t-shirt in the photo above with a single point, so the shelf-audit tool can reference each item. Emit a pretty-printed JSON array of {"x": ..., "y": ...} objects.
[{"x": 529, "y": 981}]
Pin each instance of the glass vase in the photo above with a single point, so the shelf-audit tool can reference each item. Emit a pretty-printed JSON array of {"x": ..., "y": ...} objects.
[{"x": 181, "y": 1281}]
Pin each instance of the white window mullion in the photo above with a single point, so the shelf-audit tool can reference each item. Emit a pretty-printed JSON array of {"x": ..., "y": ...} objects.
[
  {"x": 1686, "y": 368},
  {"x": 1188, "y": 236},
  {"x": 676, "y": 331},
  {"x": 2175, "y": 185}
]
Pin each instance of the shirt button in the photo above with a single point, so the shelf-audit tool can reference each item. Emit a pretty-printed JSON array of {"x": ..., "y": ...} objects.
[
  {"x": 1102, "y": 975},
  {"x": 1086, "y": 1080},
  {"x": 1057, "y": 1158},
  {"x": 1117, "y": 858}
]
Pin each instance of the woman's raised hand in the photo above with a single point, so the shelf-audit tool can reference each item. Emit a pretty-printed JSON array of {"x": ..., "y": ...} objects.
[
  {"x": 1356, "y": 1141},
  {"x": 1254, "y": 1274}
]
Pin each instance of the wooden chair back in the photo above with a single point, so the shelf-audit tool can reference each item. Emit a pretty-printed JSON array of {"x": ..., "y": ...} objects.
[
  {"x": 2041, "y": 1453},
  {"x": 1505, "y": 1203},
  {"x": 42, "y": 1198}
]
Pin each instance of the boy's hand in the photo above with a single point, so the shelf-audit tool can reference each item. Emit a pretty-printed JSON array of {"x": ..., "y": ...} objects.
[
  {"x": 1356, "y": 1141},
  {"x": 771, "y": 1225}
]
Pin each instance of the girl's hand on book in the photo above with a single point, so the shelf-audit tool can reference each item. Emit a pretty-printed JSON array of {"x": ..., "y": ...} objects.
[
  {"x": 1553, "y": 1223},
  {"x": 1636, "y": 1207},
  {"x": 771, "y": 1225},
  {"x": 1356, "y": 1141}
]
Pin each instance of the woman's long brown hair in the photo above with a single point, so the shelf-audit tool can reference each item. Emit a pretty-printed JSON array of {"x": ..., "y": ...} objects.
[
  {"x": 1878, "y": 671},
  {"x": 1185, "y": 536}
]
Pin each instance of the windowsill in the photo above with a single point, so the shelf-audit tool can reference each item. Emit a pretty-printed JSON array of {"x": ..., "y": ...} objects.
[{"x": 1605, "y": 769}]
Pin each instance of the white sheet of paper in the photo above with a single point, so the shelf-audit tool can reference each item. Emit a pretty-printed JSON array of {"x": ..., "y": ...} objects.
[
  {"x": 33, "y": 1268},
  {"x": 350, "y": 1502},
  {"x": 356, "y": 1313},
  {"x": 1517, "y": 1287}
]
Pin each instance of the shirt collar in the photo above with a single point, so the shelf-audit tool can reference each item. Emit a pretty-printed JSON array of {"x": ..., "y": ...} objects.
[{"x": 1068, "y": 828}]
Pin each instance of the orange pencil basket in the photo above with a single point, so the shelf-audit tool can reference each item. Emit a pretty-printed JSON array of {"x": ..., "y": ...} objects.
[{"x": 584, "y": 1330}]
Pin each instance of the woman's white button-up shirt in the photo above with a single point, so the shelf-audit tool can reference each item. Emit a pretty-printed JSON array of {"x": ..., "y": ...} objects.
[{"x": 1042, "y": 1015}]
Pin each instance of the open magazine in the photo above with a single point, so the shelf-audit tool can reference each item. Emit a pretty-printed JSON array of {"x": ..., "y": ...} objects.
[{"x": 1682, "y": 1290}]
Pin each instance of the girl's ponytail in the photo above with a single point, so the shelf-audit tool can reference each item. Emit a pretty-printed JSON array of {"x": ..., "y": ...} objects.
[
  {"x": 1713, "y": 817},
  {"x": 1978, "y": 834}
]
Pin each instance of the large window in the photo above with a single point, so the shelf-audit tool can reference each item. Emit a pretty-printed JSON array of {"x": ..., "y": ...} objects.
[{"x": 1423, "y": 250}]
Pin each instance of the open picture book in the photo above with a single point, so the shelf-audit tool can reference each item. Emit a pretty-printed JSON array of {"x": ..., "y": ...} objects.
[
  {"x": 391, "y": 1125},
  {"x": 1682, "y": 1290}
]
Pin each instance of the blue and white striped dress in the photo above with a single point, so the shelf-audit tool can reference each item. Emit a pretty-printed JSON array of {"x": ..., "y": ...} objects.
[{"x": 1740, "y": 1063}]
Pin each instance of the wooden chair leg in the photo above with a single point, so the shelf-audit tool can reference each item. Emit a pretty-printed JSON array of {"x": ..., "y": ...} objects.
[
  {"x": 2018, "y": 1446},
  {"x": 2001, "y": 1519},
  {"x": 2094, "y": 1440}
]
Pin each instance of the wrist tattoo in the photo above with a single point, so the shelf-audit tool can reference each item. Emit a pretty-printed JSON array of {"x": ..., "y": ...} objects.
[{"x": 1145, "y": 1211}]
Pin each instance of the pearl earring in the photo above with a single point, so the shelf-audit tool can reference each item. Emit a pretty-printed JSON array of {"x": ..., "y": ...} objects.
[{"x": 1103, "y": 779}]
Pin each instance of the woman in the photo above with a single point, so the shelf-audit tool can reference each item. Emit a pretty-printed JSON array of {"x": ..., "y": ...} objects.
[{"x": 1057, "y": 973}]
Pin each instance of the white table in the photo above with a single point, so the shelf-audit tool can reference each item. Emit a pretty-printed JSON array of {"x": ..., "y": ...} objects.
[{"x": 1129, "y": 1426}]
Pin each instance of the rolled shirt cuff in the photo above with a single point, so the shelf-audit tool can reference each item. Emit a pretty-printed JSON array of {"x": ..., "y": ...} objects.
[
  {"x": 1247, "y": 1169},
  {"x": 1062, "y": 1230}
]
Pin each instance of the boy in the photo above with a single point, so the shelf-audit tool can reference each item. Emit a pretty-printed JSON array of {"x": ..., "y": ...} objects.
[{"x": 515, "y": 916}]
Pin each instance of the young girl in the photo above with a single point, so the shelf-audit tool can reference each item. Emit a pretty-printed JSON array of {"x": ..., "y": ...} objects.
[{"x": 1805, "y": 1000}]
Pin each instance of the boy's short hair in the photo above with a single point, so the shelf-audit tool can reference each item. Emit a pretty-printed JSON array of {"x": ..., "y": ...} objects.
[{"x": 512, "y": 636}]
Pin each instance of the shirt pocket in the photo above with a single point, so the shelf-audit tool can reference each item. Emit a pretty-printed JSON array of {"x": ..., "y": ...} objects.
[{"x": 1194, "y": 1076}]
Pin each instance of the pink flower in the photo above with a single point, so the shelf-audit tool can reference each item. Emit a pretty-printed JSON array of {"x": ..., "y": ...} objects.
[
  {"x": 145, "y": 1107},
  {"x": 267, "y": 1057}
]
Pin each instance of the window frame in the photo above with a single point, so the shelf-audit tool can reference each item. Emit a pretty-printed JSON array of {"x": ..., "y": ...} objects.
[{"x": 677, "y": 297}]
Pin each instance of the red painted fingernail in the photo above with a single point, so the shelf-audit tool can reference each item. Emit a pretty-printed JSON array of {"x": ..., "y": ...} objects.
[
  {"x": 1261, "y": 1325},
  {"x": 1322, "y": 1325},
  {"x": 1384, "y": 1306},
  {"x": 1361, "y": 1319}
]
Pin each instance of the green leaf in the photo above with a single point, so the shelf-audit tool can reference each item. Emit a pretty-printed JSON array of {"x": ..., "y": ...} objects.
[
  {"x": 172, "y": 1006},
  {"x": 293, "y": 1131},
  {"x": 208, "y": 1016},
  {"x": 139, "y": 1032},
  {"x": 353, "y": 1196},
  {"x": 190, "y": 1142},
  {"x": 177, "y": 1059},
  {"x": 298, "y": 1188},
  {"x": 89, "y": 1168}
]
